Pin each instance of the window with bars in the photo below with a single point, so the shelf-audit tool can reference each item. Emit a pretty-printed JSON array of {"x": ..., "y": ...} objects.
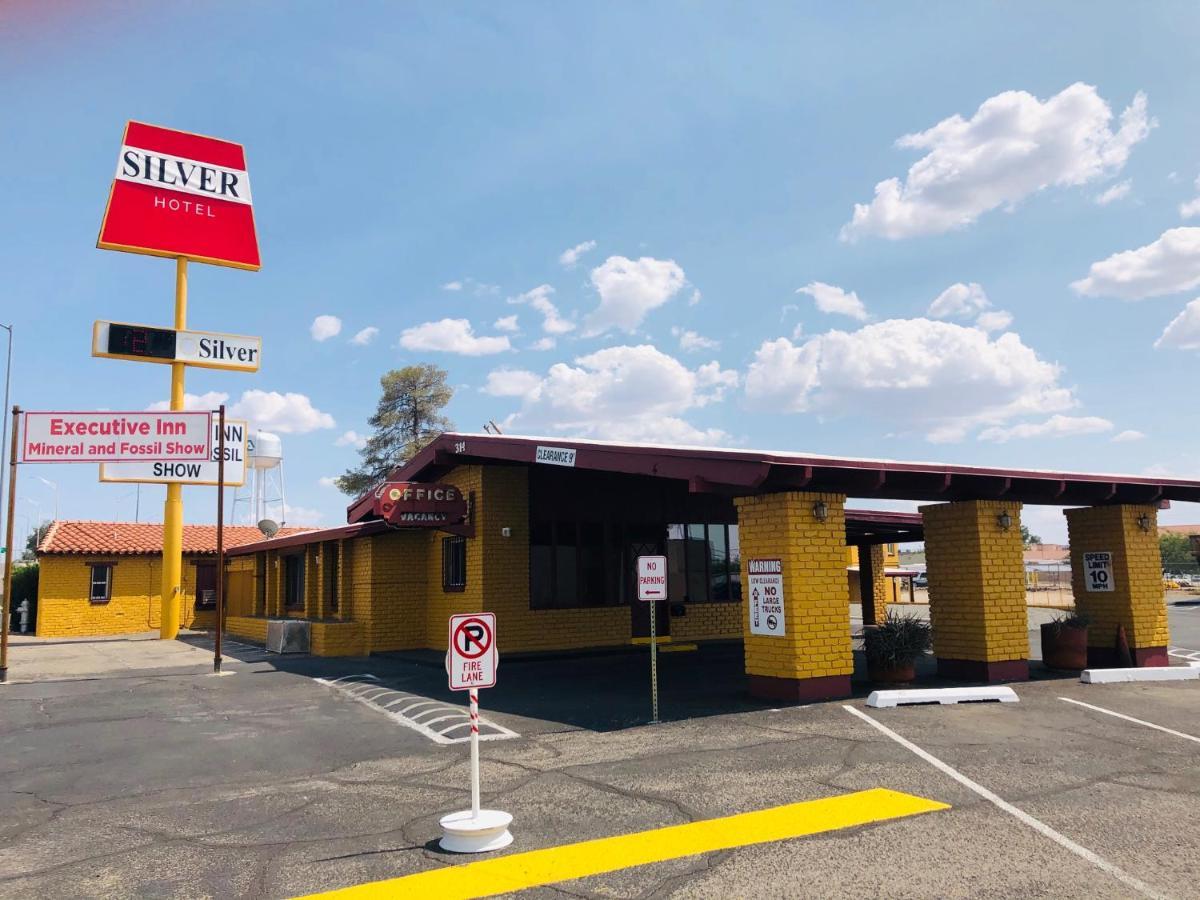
[
  {"x": 101, "y": 588},
  {"x": 454, "y": 564}
]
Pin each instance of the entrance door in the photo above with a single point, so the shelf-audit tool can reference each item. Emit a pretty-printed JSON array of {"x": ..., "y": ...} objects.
[
  {"x": 645, "y": 541},
  {"x": 206, "y": 586}
]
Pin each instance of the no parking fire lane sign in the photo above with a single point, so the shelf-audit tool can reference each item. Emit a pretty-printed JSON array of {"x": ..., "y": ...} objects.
[{"x": 472, "y": 658}]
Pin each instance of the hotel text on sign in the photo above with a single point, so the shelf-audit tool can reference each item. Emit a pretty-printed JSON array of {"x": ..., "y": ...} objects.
[
  {"x": 181, "y": 194},
  {"x": 652, "y": 578},
  {"x": 92, "y": 437},
  {"x": 471, "y": 659},
  {"x": 766, "y": 596}
]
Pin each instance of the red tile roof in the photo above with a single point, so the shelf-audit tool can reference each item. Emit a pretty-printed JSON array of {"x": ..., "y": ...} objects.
[{"x": 130, "y": 538}]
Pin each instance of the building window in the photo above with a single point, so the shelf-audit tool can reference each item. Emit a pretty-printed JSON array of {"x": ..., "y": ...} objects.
[
  {"x": 703, "y": 563},
  {"x": 293, "y": 581},
  {"x": 454, "y": 564},
  {"x": 101, "y": 589},
  {"x": 206, "y": 586},
  {"x": 573, "y": 564}
]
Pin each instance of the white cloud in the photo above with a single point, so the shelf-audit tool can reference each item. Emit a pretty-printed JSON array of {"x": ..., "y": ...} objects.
[
  {"x": 1128, "y": 435},
  {"x": 539, "y": 299},
  {"x": 690, "y": 341},
  {"x": 695, "y": 298},
  {"x": 832, "y": 299},
  {"x": 1054, "y": 427},
  {"x": 325, "y": 327},
  {"x": 351, "y": 439},
  {"x": 944, "y": 377},
  {"x": 1183, "y": 332},
  {"x": 1167, "y": 266},
  {"x": 1191, "y": 208},
  {"x": 1116, "y": 192},
  {"x": 287, "y": 413},
  {"x": 546, "y": 343},
  {"x": 207, "y": 401},
  {"x": 451, "y": 336},
  {"x": 569, "y": 257},
  {"x": 301, "y": 515},
  {"x": 630, "y": 289},
  {"x": 452, "y": 286},
  {"x": 365, "y": 336},
  {"x": 959, "y": 301},
  {"x": 619, "y": 393},
  {"x": 505, "y": 323},
  {"x": 327, "y": 481},
  {"x": 994, "y": 320},
  {"x": 1013, "y": 146},
  {"x": 512, "y": 383}
]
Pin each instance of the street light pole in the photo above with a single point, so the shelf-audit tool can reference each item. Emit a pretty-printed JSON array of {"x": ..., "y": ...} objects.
[
  {"x": 4, "y": 429},
  {"x": 49, "y": 483}
]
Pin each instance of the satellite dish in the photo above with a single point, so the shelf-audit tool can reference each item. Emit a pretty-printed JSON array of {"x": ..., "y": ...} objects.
[{"x": 269, "y": 527}]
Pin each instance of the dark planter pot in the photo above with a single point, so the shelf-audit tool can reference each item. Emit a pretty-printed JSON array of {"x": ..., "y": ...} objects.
[
  {"x": 1064, "y": 647},
  {"x": 897, "y": 673}
]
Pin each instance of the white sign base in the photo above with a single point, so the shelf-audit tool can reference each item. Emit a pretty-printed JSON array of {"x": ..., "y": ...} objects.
[{"x": 463, "y": 832}]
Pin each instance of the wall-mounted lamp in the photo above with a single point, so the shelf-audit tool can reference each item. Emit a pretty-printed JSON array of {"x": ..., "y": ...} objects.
[
  {"x": 505, "y": 532},
  {"x": 1143, "y": 522},
  {"x": 1004, "y": 520},
  {"x": 820, "y": 511}
]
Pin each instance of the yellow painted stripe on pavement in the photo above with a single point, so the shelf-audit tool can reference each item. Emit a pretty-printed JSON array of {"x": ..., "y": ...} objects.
[{"x": 517, "y": 871}]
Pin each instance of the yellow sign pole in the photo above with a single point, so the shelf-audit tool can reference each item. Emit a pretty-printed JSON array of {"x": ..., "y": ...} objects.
[{"x": 172, "y": 570}]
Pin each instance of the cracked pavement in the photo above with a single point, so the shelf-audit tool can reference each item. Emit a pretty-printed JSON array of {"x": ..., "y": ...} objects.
[{"x": 164, "y": 781}]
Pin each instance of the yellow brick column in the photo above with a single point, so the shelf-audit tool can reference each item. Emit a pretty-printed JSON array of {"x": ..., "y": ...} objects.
[
  {"x": 976, "y": 575},
  {"x": 1136, "y": 599},
  {"x": 813, "y": 659},
  {"x": 872, "y": 583}
]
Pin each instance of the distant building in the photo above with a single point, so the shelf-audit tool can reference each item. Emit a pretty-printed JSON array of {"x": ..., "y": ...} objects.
[{"x": 1042, "y": 554}]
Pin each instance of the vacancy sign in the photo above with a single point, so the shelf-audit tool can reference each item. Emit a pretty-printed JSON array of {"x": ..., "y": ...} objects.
[
  {"x": 652, "y": 578},
  {"x": 150, "y": 343},
  {"x": 92, "y": 437},
  {"x": 181, "y": 194},
  {"x": 166, "y": 472},
  {"x": 1097, "y": 571},
  {"x": 766, "y": 596},
  {"x": 471, "y": 661}
]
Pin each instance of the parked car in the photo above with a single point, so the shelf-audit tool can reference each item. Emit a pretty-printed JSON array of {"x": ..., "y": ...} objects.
[{"x": 921, "y": 580}]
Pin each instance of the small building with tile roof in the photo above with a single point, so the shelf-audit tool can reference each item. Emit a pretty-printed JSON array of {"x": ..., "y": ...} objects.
[{"x": 101, "y": 578}]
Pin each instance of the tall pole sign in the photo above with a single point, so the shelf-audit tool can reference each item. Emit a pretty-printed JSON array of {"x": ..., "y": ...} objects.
[{"x": 186, "y": 197}]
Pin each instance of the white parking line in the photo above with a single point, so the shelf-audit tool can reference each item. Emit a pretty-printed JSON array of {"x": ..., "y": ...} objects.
[
  {"x": 1036, "y": 824},
  {"x": 1183, "y": 653},
  {"x": 1117, "y": 715}
]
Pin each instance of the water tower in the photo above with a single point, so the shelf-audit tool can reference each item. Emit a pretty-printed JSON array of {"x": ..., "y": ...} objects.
[{"x": 267, "y": 500}]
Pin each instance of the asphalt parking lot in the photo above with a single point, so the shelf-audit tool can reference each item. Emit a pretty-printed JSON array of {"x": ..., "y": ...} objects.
[{"x": 145, "y": 776}]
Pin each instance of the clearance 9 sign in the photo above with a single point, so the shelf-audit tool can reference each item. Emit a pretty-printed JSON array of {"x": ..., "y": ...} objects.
[{"x": 181, "y": 194}]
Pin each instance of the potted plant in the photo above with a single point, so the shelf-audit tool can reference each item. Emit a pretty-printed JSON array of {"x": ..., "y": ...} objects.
[
  {"x": 1065, "y": 642},
  {"x": 893, "y": 647}
]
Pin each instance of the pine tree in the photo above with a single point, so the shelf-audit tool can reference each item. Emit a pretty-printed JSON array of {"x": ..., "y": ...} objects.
[{"x": 407, "y": 418}]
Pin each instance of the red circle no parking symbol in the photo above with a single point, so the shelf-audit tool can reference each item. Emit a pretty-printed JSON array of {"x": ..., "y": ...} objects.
[{"x": 472, "y": 638}]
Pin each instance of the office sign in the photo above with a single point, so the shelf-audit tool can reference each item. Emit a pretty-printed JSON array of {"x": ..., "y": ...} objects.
[
  {"x": 151, "y": 343},
  {"x": 181, "y": 194},
  {"x": 471, "y": 660},
  {"x": 92, "y": 437},
  {"x": 652, "y": 578},
  {"x": 202, "y": 473},
  {"x": 766, "y": 596},
  {"x": 409, "y": 504},
  {"x": 1098, "y": 571}
]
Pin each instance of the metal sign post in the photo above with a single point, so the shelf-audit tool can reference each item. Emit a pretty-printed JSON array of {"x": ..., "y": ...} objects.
[
  {"x": 220, "y": 537},
  {"x": 6, "y": 600},
  {"x": 652, "y": 587}
]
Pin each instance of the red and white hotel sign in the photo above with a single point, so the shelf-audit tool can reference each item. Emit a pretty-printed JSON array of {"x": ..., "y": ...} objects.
[{"x": 181, "y": 194}]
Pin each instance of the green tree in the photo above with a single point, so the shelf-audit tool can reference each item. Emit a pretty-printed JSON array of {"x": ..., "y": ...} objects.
[
  {"x": 1028, "y": 538},
  {"x": 1176, "y": 550},
  {"x": 35, "y": 538},
  {"x": 408, "y": 417}
]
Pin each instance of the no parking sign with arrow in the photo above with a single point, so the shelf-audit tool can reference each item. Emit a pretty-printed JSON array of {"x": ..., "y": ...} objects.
[{"x": 472, "y": 658}]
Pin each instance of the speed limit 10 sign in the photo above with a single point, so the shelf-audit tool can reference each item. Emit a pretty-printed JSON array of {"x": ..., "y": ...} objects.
[{"x": 1098, "y": 571}]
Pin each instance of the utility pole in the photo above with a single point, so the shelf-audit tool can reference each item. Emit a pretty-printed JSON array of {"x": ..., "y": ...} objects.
[{"x": 4, "y": 430}]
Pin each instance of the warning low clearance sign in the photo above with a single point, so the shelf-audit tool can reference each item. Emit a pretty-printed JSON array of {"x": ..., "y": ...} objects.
[{"x": 766, "y": 596}]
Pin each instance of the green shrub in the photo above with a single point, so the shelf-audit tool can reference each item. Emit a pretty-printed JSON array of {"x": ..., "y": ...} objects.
[
  {"x": 900, "y": 640},
  {"x": 1070, "y": 618}
]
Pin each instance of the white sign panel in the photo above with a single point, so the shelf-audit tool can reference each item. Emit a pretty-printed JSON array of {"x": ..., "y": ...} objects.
[
  {"x": 471, "y": 661},
  {"x": 150, "y": 343},
  {"x": 652, "y": 578},
  {"x": 1097, "y": 571},
  {"x": 766, "y": 596},
  {"x": 92, "y": 437},
  {"x": 556, "y": 456},
  {"x": 236, "y": 439}
]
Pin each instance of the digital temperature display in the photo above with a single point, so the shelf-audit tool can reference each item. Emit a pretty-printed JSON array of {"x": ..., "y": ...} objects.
[{"x": 138, "y": 340}]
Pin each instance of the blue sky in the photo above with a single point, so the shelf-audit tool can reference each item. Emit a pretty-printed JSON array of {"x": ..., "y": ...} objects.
[{"x": 708, "y": 157}]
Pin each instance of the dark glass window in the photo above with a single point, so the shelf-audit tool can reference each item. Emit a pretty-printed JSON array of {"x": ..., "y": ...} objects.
[
  {"x": 454, "y": 563},
  {"x": 703, "y": 563},
  {"x": 101, "y": 590},
  {"x": 573, "y": 564},
  {"x": 293, "y": 581}
]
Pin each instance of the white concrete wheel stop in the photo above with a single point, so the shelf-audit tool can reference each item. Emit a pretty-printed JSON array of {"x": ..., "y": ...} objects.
[{"x": 465, "y": 832}]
